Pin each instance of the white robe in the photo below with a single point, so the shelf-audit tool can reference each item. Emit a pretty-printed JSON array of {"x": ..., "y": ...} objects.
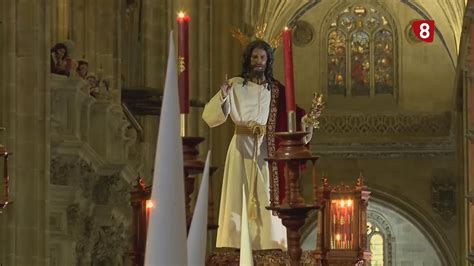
[{"x": 245, "y": 104}]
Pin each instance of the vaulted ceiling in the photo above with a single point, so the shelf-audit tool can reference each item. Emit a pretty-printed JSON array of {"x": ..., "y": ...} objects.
[
  {"x": 276, "y": 14},
  {"x": 448, "y": 16}
]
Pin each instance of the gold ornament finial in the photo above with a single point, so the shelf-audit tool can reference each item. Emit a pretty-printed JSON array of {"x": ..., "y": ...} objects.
[
  {"x": 240, "y": 36},
  {"x": 181, "y": 65},
  {"x": 311, "y": 119},
  {"x": 260, "y": 31}
]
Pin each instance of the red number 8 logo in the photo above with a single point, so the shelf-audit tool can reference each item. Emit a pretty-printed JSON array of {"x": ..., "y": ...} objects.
[{"x": 424, "y": 30}]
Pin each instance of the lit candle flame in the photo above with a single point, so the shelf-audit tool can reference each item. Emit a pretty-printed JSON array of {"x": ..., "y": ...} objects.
[
  {"x": 342, "y": 203},
  {"x": 181, "y": 14},
  {"x": 286, "y": 28},
  {"x": 349, "y": 203},
  {"x": 338, "y": 237},
  {"x": 149, "y": 204}
]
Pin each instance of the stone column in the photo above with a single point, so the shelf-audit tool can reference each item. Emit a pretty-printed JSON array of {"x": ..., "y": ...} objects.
[
  {"x": 25, "y": 111},
  {"x": 107, "y": 40},
  {"x": 78, "y": 28}
]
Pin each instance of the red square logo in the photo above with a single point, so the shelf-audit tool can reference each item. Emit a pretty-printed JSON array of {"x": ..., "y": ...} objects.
[{"x": 423, "y": 29}]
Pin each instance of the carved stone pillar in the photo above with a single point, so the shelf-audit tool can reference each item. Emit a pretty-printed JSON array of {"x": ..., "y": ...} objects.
[{"x": 24, "y": 101}]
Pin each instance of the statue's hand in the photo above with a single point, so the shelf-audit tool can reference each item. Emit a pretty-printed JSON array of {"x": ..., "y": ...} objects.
[
  {"x": 225, "y": 90},
  {"x": 226, "y": 87}
]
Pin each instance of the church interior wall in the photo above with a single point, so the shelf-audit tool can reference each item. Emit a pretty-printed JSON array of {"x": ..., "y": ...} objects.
[{"x": 127, "y": 42}]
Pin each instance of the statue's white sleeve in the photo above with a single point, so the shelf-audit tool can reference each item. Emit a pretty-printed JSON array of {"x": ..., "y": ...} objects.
[{"x": 216, "y": 110}]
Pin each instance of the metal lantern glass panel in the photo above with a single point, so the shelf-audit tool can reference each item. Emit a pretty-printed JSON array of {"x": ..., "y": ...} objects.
[
  {"x": 342, "y": 225},
  {"x": 342, "y": 218}
]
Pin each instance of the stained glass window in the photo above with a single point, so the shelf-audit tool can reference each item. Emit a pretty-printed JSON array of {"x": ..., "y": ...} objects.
[
  {"x": 360, "y": 63},
  {"x": 361, "y": 59},
  {"x": 383, "y": 53},
  {"x": 337, "y": 63}
]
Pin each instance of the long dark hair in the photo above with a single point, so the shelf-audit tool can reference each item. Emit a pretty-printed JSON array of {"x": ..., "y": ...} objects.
[
  {"x": 58, "y": 46},
  {"x": 247, "y": 68}
]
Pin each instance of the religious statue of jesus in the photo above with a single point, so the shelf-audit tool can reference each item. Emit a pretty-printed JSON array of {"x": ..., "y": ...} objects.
[{"x": 253, "y": 101}]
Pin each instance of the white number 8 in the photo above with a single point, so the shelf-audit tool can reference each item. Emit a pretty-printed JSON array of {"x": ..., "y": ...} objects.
[{"x": 424, "y": 30}]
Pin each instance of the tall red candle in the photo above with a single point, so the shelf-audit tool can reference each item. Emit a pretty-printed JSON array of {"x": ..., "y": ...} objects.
[
  {"x": 183, "y": 62},
  {"x": 289, "y": 80}
]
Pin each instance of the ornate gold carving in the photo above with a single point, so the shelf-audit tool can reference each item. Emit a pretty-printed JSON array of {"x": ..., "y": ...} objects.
[
  {"x": 258, "y": 33},
  {"x": 240, "y": 36},
  {"x": 271, "y": 127},
  {"x": 311, "y": 119},
  {"x": 181, "y": 65}
]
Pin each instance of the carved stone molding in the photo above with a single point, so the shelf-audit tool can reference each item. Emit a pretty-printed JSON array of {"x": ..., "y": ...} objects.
[
  {"x": 111, "y": 244},
  {"x": 94, "y": 151},
  {"x": 443, "y": 195},
  {"x": 102, "y": 124},
  {"x": 303, "y": 33},
  {"x": 388, "y": 150},
  {"x": 96, "y": 242},
  {"x": 103, "y": 188},
  {"x": 97, "y": 215},
  {"x": 61, "y": 171},
  {"x": 384, "y": 125},
  {"x": 470, "y": 197}
]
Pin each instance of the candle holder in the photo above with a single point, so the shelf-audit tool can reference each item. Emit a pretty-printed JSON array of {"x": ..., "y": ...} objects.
[
  {"x": 192, "y": 167},
  {"x": 291, "y": 121},
  {"x": 293, "y": 210},
  {"x": 183, "y": 125},
  {"x": 342, "y": 227},
  {"x": 139, "y": 196}
]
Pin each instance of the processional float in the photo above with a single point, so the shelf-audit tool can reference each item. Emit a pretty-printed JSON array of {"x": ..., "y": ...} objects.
[{"x": 341, "y": 210}]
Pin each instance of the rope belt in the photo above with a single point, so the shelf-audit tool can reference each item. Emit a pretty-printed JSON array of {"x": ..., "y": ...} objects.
[{"x": 256, "y": 130}]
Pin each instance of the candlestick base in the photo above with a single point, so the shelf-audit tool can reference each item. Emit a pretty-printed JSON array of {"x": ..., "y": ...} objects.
[
  {"x": 293, "y": 210},
  {"x": 293, "y": 218},
  {"x": 193, "y": 167},
  {"x": 183, "y": 125},
  {"x": 291, "y": 121}
]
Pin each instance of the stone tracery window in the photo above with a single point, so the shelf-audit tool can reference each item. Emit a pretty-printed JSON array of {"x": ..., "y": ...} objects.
[
  {"x": 379, "y": 239},
  {"x": 376, "y": 244},
  {"x": 360, "y": 53}
]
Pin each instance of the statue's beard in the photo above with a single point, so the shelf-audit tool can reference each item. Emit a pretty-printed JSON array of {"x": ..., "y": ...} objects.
[{"x": 258, "y": 72}]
